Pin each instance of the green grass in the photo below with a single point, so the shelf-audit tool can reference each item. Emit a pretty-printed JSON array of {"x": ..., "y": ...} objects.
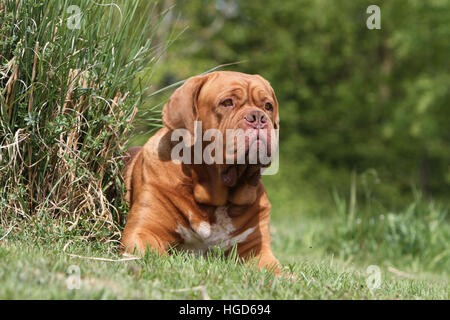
[
  {"x": 328, "y": 250},
  {"x": 34, "y": 265}
]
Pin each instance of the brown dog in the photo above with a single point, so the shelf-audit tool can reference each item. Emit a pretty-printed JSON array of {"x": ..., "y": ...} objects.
[{"x": 198, "y": 206}]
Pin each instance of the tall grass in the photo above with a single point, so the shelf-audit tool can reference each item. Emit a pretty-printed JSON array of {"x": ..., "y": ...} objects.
[
  {"x": 68, "y": 98},
  {"x": 415, "y": 238}
]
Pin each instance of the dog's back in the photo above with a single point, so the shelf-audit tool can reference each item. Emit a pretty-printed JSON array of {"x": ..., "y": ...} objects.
[{"x": 129, "y": 160}]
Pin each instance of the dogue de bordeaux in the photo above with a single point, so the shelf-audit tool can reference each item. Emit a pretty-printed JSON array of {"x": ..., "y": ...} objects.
[{"x": 195, "y": 207}]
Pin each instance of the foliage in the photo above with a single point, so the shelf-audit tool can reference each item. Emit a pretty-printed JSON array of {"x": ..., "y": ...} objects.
[
  {"x": 351, "y": 98},
  {"x": 68, "y": 98}
]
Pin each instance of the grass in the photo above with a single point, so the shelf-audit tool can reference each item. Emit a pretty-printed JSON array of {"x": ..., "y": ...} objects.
[
  {"x": 35, "y": 265},
  {"x": 68, "y": 98},
  {"x": 319, "y": 250}
]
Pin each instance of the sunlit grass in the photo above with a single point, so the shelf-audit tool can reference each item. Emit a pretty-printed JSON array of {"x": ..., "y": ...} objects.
[{"x": 35, "y": 268}]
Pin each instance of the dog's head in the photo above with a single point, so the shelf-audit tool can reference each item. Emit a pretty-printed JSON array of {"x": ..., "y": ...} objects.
[{"x": 241, "y": 112}]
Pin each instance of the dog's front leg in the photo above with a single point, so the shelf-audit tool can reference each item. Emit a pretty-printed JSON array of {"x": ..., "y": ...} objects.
[
  {"x": 145, "y": 231},
  {"x": 140, "y": 242}
]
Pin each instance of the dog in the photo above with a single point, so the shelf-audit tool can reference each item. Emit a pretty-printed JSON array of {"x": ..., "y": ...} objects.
[{"x": 198, "y": 206}]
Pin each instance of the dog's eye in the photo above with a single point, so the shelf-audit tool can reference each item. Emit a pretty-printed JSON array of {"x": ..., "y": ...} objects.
[
  {"x": 268, "y": 106},
  {"x": 227, "y": 103}
]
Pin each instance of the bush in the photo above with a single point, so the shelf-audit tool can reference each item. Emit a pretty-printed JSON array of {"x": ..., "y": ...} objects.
[{"x": 68, "y": 99}]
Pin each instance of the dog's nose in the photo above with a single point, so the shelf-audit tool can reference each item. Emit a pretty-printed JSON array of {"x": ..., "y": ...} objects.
[{"x": 256, "y": 119}]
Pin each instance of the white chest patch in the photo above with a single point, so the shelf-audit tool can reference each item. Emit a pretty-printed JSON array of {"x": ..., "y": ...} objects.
[{"x": 201, "y": 238}]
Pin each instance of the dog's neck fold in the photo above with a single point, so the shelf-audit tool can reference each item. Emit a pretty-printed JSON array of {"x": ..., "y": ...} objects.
[
  {"x": 218, "y": 185},
  {"x": 209, "y": 187}
]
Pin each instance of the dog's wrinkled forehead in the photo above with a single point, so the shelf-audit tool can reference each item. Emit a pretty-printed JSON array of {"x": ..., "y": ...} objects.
[
  {"x": 201, "y": 95},
  {"x": 225, "y": 84}
]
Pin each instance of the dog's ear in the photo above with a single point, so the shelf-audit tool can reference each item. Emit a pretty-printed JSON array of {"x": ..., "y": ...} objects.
[{"x": 181, "y": 110}]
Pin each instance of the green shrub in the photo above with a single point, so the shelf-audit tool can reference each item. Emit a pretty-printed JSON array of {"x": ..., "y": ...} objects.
[{"x": 68, "y": 99}]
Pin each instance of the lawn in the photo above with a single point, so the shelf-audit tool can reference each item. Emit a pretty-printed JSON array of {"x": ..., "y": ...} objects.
[{"x": 35, "y": 263}]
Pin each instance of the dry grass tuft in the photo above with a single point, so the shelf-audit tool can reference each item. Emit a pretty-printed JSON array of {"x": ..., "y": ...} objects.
[{"x": 68, "y": 98}]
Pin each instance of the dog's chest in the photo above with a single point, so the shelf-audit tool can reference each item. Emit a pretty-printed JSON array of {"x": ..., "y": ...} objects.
[{"x": 201, "y": 237}]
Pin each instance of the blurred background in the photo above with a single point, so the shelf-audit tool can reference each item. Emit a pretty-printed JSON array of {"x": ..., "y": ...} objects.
[{"x": 354, "y": 102}]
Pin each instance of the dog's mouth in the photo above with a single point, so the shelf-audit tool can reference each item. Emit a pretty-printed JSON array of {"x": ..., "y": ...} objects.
[
  {"x": 260, "y": 137},
  {"x": 258, "y": 146},
  {"x": 255, "y": 147},
  {"x": 244, "y": 161}
]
